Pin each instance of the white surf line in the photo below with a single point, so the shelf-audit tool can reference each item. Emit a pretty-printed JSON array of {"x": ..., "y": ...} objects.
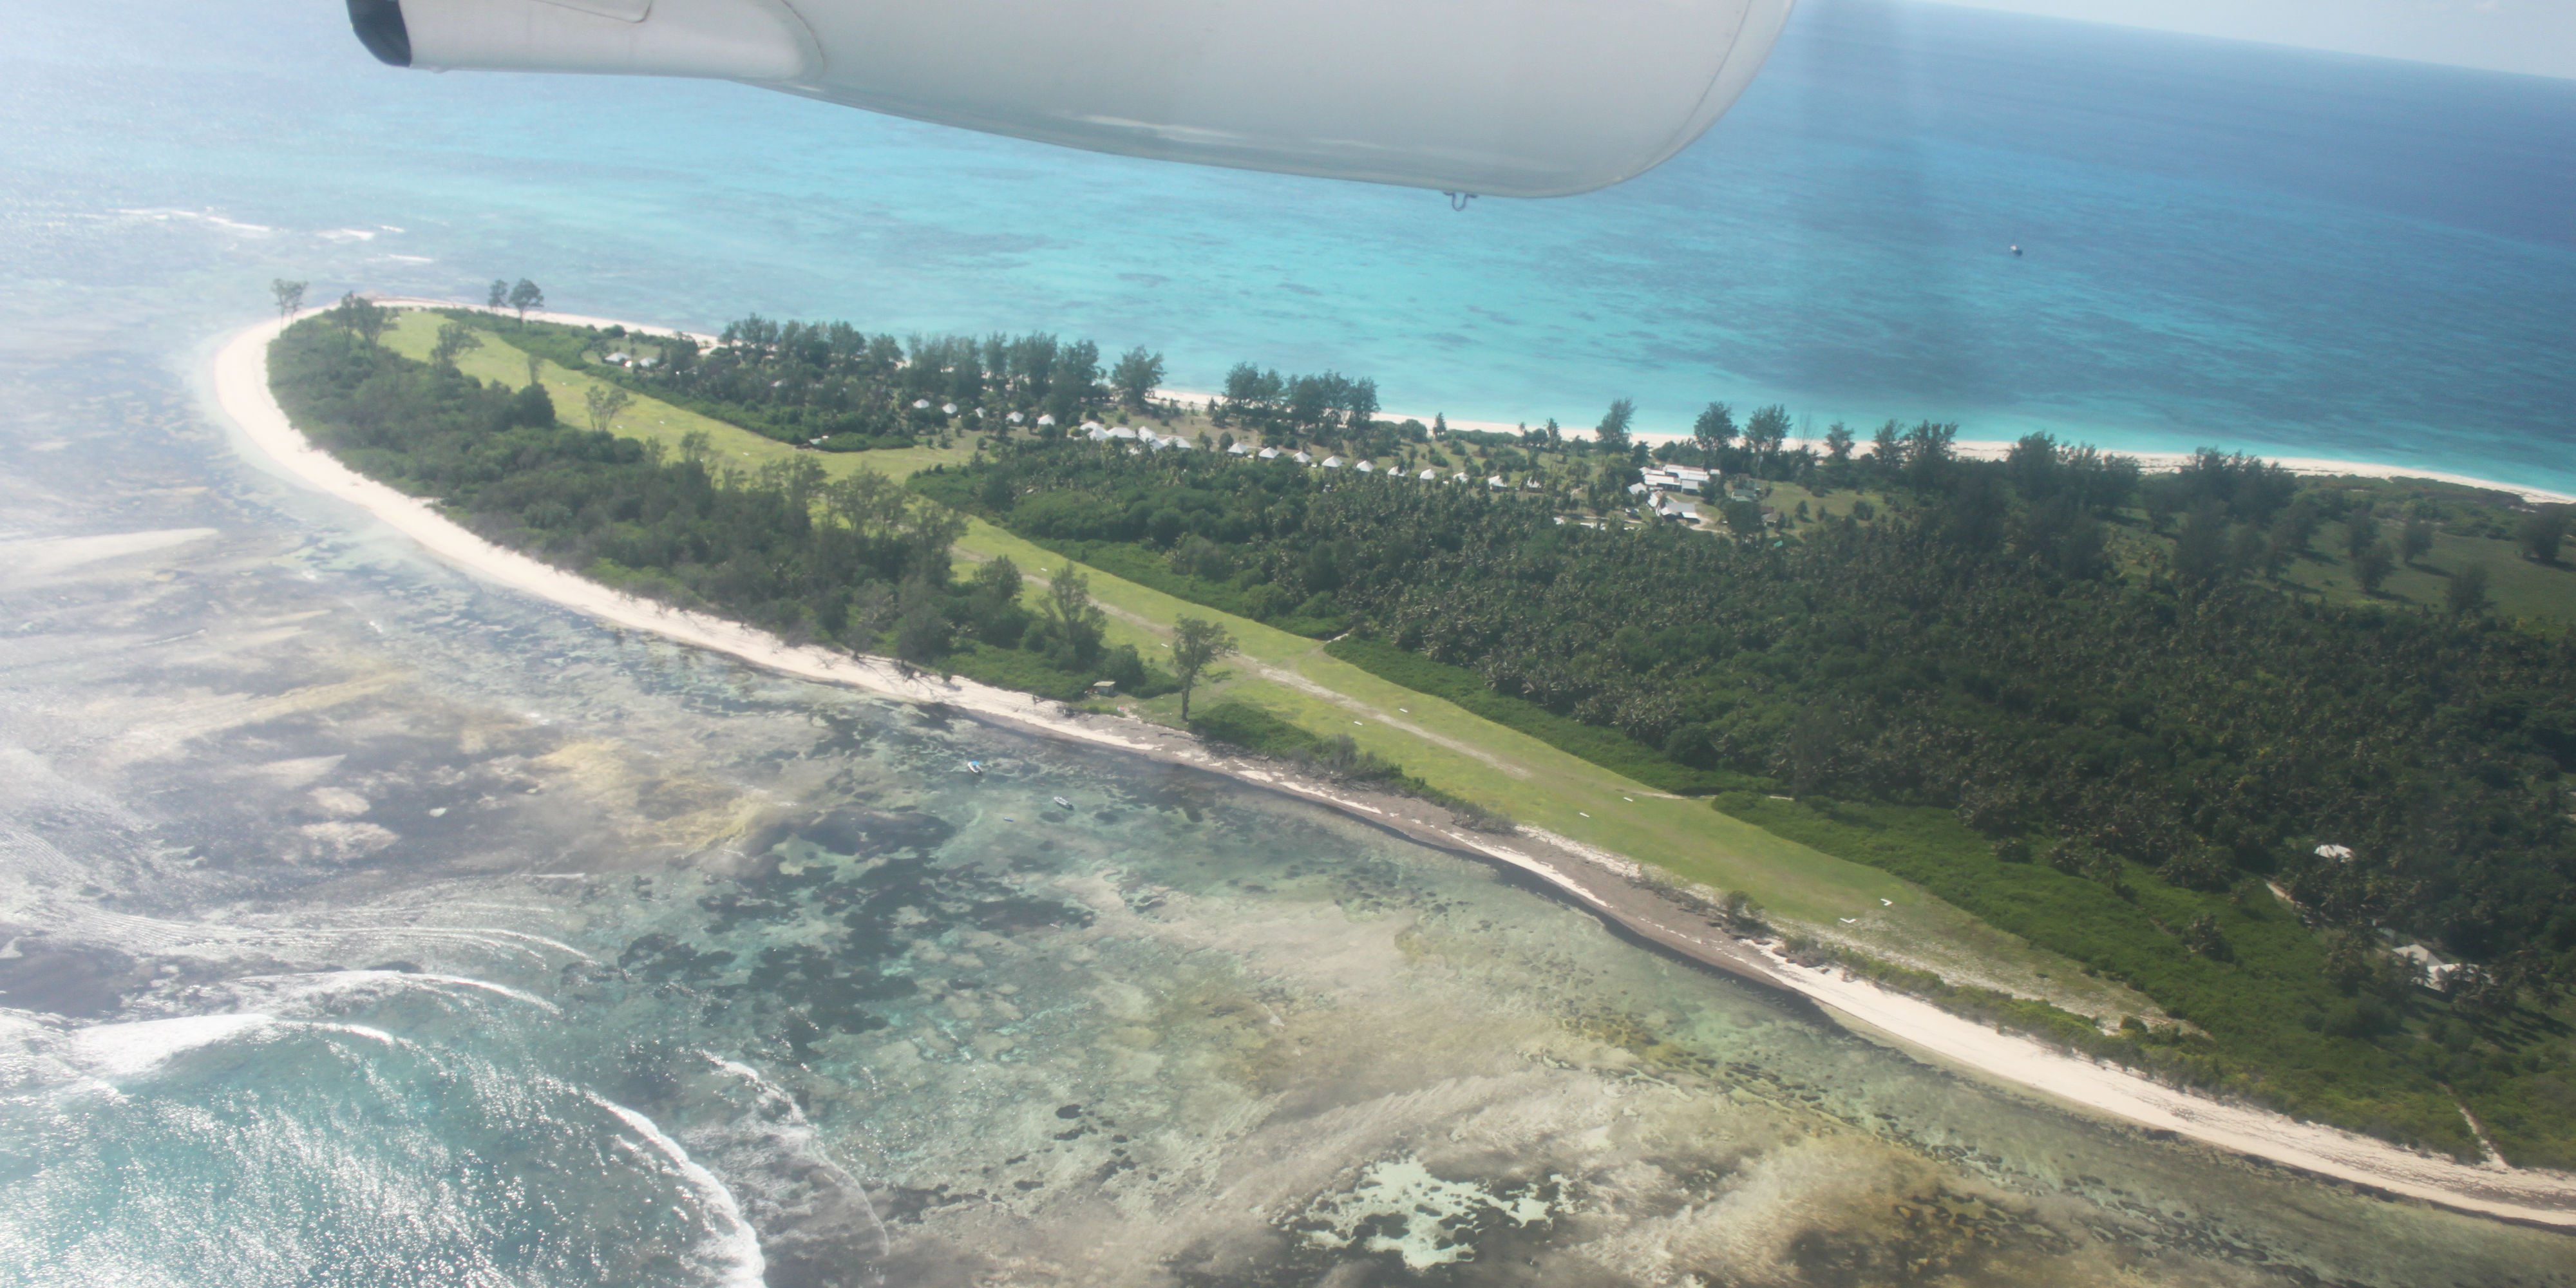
[
  {"x": 733, "y": 1238},
  {"x": 2536, "y": 1196}
]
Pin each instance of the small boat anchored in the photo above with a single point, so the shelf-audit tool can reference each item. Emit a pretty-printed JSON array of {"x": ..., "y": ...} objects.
[
  {"x": 2016, "y": 250},
  {"x": 1061, "y": 803},
  {"x": 975, "y": 767}
]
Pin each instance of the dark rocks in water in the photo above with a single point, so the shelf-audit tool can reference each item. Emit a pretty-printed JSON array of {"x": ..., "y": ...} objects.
[
  {"x": 77, "y": 981},
  {"x": 861, "y": 833},
  {"x": 661, "y": 959}
]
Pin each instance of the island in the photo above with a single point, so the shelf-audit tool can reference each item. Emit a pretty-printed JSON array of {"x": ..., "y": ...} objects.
[{"x": 2225, "y": 800}]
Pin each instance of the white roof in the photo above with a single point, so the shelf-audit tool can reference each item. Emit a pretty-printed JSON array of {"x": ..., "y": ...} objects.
[
  {"x": 1014, "y": 418},
  {"x": 1332, "y": 462},
  {"x": 1097, "y": 434},
  {"x": 2334, "y": 851},
  {"x": 921, "y": 404},
  {"x": 1496, "y": 481},
  {"x": 1691, "y": 472},
  {"x": 1089, "y": 425},
  {"x": 1638, "y": 489},
  {"x": 1046, "y": 420},
  {"x": 1267, "y": 453},
  {"x": 1122, "y": 432},
  {"x": 1429, "y": 476},
  {"x": 1459, "y": 477},
  {"x": 1302, "y": 459},
  {"x": 1238, "y": 450},
  {"x": 1368, "y": 467},
  {"x": 947, "y": 409}
]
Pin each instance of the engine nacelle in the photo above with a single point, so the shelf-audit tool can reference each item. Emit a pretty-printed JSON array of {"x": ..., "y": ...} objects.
[{"x": 1520, "y": 98}]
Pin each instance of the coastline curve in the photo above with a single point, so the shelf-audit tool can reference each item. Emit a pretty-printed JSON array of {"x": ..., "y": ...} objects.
[{"x": 241, "y": 393}]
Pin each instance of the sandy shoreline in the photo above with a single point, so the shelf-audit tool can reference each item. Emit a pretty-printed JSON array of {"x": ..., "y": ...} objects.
[
  {"x": 1601, "y": 883},
  {"x": 1993, "y": 449},
  {"x": 1973, "y": 448}
]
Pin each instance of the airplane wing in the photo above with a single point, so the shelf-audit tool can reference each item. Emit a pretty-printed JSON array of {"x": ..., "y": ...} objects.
[{"x": 1519, "y": 98}]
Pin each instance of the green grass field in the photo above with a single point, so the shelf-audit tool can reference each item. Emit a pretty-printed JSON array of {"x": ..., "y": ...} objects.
[{"x": 2518, "y": 588}]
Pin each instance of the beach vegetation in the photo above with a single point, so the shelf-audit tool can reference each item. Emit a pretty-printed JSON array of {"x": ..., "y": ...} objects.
[
  {"x": 2541, "y": 532},
  {"x": 855, "y": 562},
  {"x": 1197, "y": 643}
]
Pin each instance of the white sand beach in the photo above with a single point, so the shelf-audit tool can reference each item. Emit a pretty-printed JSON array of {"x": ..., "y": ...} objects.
[{"x": 1598, "y": 882}]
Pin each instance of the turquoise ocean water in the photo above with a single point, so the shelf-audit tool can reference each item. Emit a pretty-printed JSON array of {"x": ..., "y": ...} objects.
[{"x": 2232, "y": 244}]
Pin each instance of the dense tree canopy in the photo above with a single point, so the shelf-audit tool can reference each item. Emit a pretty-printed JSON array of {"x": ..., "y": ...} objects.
[
  {"x": 1977, "y": 649},
  {"x": 855, "y": 561}
]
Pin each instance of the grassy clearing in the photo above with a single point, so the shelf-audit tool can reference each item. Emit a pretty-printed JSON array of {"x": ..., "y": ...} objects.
[{"x": 2544, "y": 594}]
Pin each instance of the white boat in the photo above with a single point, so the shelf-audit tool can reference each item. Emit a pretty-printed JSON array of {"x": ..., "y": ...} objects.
[{"x": 1062, "y": 803}]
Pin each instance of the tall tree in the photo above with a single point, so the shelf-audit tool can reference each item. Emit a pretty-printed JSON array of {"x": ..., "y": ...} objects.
[
  {"x": 1767, "y": 429},
  {"x": 1838, "y": 442},
  {"x": 1077, "y": 623},
  {"x": 526, "y": 297},
  {"x": 2416, "y": 539},
  {"x": 1136, "y": 376},
  {"x": 604, "y": 402},
  {"x": 1195, "y": 645},
  {"x": 2371, "y": 565},
  {"x": 2541, "y": 533},
  {"x": 2467, "y": 592},
  {"x": 1715, "y": 428},
  {"x": 361, "y": 317},
  {"x": 499, "y": 299},
  {"x": 454, "y": 339},
  {"x": 1363, "y": 402},
  {"x": 290, "y": 296},
  {"x": 1613, "y": 429}
]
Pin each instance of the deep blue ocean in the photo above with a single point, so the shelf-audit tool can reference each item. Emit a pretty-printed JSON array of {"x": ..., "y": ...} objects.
[{"x": 2230, "y": 244}]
